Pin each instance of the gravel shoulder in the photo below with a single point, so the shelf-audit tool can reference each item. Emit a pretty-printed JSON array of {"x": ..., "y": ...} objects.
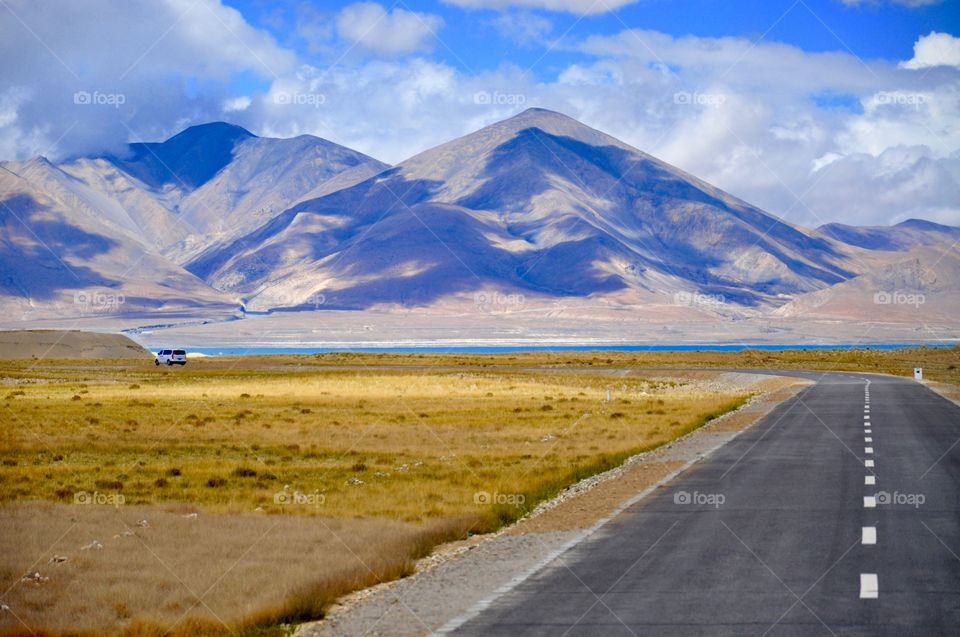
[
  {"x": 948, "y": 391},
  {"x": 461, "y": 578}
]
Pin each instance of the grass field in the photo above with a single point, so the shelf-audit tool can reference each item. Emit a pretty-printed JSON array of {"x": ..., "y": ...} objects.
[
  {"x": 404, "y": 458},
  {"x": 239, "y": 495}
]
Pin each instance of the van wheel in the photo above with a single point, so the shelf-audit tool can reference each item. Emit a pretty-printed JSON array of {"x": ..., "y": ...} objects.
[
  {"x": 156, "y": 362},
  {"x": 169, "y": 363}
]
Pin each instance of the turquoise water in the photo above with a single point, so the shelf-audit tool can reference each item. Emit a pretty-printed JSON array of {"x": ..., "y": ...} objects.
[{"x": 235, "y": 351}]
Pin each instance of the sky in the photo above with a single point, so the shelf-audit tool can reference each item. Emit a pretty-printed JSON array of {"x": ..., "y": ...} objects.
[{"x": 817, "y": 111}]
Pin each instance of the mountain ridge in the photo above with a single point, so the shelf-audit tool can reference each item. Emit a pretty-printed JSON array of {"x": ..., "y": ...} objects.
[{"x": 536, "y": 205}]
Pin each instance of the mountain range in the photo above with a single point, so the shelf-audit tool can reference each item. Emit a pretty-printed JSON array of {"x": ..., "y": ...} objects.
[{"x": 216, "y": 221}]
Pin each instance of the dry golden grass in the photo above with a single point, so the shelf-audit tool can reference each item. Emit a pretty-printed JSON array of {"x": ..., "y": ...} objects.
[
  {"x": 408, "y": 445},
  {"x": 401, "y": 458},
  {"x": 939, "y": 363},
  {"x": 184, "y": 575}
]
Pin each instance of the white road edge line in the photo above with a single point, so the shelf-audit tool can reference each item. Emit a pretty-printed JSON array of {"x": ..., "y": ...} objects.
[
  {"x": 869, "y": 535},
  {"x": 869, "y": 586}
]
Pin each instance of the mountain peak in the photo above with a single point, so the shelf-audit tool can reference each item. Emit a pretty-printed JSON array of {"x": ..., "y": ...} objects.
[
  {"x": 212, "y": 130},
  {"x": 187, "y": 160}
]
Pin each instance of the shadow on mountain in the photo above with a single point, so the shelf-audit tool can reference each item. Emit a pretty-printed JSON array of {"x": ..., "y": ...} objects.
[
  {"x": 36, "y": 252},
  {"x": 186, "y": 160},
  {"x": 656, "y": 215}
]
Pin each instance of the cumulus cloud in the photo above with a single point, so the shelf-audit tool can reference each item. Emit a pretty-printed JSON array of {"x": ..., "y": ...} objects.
[
  {"x": 913, "y": 4},
  {"x": 372, "y": 27},
  {"x": 813, "y": 137},
  {"x": 85, "y": 77},
  {"x": 580, "y": 7},
  {"x": 935, "y": 49},
  {"x": 525, "y": 28}
]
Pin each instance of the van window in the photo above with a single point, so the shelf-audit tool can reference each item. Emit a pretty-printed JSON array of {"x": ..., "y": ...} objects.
[{"x": 179, "y": 352}]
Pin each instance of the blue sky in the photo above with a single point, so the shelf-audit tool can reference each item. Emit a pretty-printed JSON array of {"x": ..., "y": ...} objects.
[
  {"x": 816, "y": 110},
  {"x": 869, "y": 29}
]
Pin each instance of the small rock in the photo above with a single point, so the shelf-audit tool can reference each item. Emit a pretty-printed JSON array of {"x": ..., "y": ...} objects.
[
  {"x": 96, "y": 545},
  {"x": 354, "y": 481},
  {"x": 58, "y": 559},
  {"x": 191, "y": 516},
  {"x": 143, "y": 524}
]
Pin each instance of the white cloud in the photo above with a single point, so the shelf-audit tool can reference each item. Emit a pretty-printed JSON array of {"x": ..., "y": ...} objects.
[
  {"x": 235, "y": 104},
  {"x": 372, "y": 27},
  {"x": 913, "y": 4},
  {"x": 152, "y": 76},
  {"x": 745, "y": 117},
  {"x": 523, "y": 27},
  {"x": 580, "y": 7},
  {"x": 935, "y": 49}
]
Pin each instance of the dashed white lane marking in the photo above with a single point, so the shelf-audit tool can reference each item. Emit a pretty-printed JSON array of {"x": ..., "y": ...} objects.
[
  {"x": 869, "y": 502},
  {"x": 868, "y": 450},
  {"x": 868, "y": 431},
  {"x": 868, "y": 439},
  {"x": 869, "y": 535},
  {"x": 868, "y": 463},
  {"x": 869, "y": 586},
  {"x": 866, "y": 417},
  {"x": 869, "y": 480}
]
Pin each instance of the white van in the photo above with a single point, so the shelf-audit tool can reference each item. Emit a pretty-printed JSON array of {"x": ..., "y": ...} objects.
[{"x": 171, "y": 357}]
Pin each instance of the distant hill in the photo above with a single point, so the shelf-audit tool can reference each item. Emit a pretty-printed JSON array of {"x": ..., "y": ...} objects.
[
  {"x": 538, "y": 203},
  {"x": 901, "y": 237},
  {"x": 53, "y": 344},
  {"x": 118, "y": 226},
  {"x": 216, "y": 222}
]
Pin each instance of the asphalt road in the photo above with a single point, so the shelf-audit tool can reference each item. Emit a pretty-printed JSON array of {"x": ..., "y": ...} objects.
[{"x": 779, "y": 532}]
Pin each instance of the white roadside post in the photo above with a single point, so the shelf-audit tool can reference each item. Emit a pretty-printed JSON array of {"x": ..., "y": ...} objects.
[{"x": 917, "y": 373}]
